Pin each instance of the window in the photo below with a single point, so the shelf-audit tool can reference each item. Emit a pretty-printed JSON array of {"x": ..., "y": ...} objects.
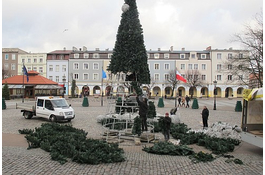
[
  {"x": 156, "y": 55},
  {"x": 241, "y": 55},
  {"x": 61, "y": 57},
  {"x": 183, "y": 75},
  {"x": 219, "y": 56},
  {"x": 110, "y": 55},
  {"x": 229, "y": 67},
  {"x": 203, "y": 56},
  {"x": 193, "y": 55},
  {"x": 203, "y": 77},
  {"x": 76, "y": 55},
  {"x": 40, "y": 102},
  {"x": 148, "y": 55},
  {"x": 95, "y": 55},
  {"x": 190, "y": 77},
  {"x": 53, "y": 57},
  {"x": 48, "y": 104},
  {"x": 23, "y": 60},
  {"x": 156, "y": 66},
  {"x": 240, "y": 77},
  {"x": 189, "y": 66},
  {"x": 35, "y": 60},
  {"x": 156, "y": 77},
  {"x": 219, "y": 66},
  {"x": 6, "y": 56},
  {"x": 182, "y": 56},
  {"x": 76, "y": 76},
  {"x": 240, "y": 67},
  {"x": 57, "y": 78},
  {"x": 13, "y": 57},
  {"x": 50, "y": 77},
  {"x": 28, "y": 68},
  {"x": 95, "y": 76},
  {"x": 40, "y": 69},
  {"x": 85, "y": 76},
  {"x": 219, "y": 77},
  {"x": 203, "y": 66},
  {"x": 196, "y": 77},
  {"x": 85, "y": 66},
  {"x": 195, "y": 66},
  {"x": 182, "y": 66},
  {"x": 229, "y": 77},
  {"x": 229, "y": 56},
  {"x": 57, "y": 68},
  {"x": 13, "y": 66},
  {"x": 76, "y": 66},
  {"x": 29, "y": 60},
  {"x": 95, "y": 66},
  {"x": 64, "y": 68},
  {"x": 166, "y": 66},
  {"x": 166, "y": 55},
  {"x": 35, "y": 68},
  {"x": 50, "y": 68},
  {"x": 166, "y": 76},
  {"x": 41, "y": 60},
  {"x": 6, "y": 66}
]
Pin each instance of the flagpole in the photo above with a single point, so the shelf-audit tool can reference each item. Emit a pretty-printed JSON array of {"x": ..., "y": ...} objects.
[
  {"x": 102, "y": 86},
  {"x": 23, "y": 84},
  {"x": 176, "y": 86}
]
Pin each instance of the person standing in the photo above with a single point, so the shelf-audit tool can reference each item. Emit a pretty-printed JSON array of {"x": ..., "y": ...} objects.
[
  {"x": 179, "y": 100},
  {"x": 205, "y": 115},
  {"x": 187, "y": 101},
  {"x": 143, "y": 107},
  {"x": 183, "y": 101},
  {"x": 167, "y": 123}
]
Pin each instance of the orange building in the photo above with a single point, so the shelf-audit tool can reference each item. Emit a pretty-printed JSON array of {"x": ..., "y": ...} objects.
[{"x": 36, "y": 86}]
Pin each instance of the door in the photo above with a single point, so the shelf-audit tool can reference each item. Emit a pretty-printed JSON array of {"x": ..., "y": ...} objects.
[{"x": 40, "y": 108}]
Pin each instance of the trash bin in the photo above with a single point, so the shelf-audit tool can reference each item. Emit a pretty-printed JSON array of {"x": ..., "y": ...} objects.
[
  {"x": 238, "y": 107},
  {"x": 3, "y": 103},
  {"x": 195, "y": 104},
  {"x": 160, "y": 103},
  {"x": 85, "y": 102}
]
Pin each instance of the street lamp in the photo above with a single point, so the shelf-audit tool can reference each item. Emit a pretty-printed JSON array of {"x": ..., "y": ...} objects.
[
  {"x": 64, "y": 80},
  {"x": 162, "y": 90},
  {"x": 215, "y": 92}
]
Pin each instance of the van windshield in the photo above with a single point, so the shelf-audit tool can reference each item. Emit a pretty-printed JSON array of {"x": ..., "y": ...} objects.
[{"x": 60, "y": 103}]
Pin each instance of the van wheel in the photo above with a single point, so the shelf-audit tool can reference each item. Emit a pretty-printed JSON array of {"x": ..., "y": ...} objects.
[
  {"x": 27, "y": 115},
  {"x": 53, "y": 118}
]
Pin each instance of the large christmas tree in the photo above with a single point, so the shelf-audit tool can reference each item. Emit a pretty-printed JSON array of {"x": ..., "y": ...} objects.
[{"x": 129, "y": 54}]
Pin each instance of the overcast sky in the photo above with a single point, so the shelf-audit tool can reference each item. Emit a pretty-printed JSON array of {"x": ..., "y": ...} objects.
[{"x": 40, "y": 26}]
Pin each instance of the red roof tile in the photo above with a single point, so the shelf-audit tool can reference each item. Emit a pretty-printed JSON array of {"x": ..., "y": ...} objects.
[{"x": 34, "y": 78}]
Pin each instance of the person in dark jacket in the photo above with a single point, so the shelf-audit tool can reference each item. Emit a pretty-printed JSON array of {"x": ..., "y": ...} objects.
[
  {"x": 143, "y": 108},
  {"x": 205, "y": 115},
  {"x": 187, "y": 101},
  {"x": 167, "y": 124}
]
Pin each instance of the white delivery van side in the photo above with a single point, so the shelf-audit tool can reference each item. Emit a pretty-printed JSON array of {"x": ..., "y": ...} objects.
[{"x": 53, "y": 108}]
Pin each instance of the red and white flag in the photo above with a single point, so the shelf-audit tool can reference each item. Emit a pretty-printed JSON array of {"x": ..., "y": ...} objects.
[{"x": 179, "y": 77}]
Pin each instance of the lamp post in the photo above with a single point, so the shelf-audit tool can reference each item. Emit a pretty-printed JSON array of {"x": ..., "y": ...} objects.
[
  {"x": 162, "y": 90},
  {"x": 64, "y": 80},
  {"x": 215, "y": 92}
]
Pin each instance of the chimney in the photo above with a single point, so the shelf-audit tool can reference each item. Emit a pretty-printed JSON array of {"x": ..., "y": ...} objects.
[
  {"x": 183, "y": 49},
  {"x": 159, "y": 49},
  {"x": 231, "y": 48},
  {"x": 97, "y": 49},
  {"x": 80, "y": 49},
  {"x": 171, "y": 49},
  {"x": 64, "y": 48}
]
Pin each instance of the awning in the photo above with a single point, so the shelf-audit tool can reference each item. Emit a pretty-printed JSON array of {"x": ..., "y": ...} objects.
[
  {"x": 14, "y": 86},
  {"x": 48, "y": 87}
]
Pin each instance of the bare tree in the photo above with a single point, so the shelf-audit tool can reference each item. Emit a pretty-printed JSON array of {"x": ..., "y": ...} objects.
[
  {"x": 252, "y": 41},
  {"x": 151, "y": 85},
  {"x": 5, "y": 74},
  {"x": 172, "y": 80},
  {"x": 194, "y": 79}
]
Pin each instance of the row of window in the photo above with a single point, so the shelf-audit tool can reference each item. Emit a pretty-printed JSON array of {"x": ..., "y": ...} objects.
[
  {"x": 13, "y": 56},
  {"x": 193, "y": 66},
  {"x": 35, "y": 60},
  {"x": 57, "y": 68}
]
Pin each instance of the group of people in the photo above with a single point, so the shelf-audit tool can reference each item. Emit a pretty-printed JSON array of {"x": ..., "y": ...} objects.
[
  {"x": 167, "y": 120},
  {"x": 182, "y": 101}
]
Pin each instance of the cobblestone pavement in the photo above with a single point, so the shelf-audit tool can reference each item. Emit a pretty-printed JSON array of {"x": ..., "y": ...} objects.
[{"x": 19, "y": 160}]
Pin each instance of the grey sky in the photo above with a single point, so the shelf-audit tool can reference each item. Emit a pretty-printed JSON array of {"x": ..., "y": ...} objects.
[{"x": 38, "y": 25}]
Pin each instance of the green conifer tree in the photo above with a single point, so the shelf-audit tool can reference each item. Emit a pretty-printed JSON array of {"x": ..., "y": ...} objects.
[
  {"x": 5, "y": 92},
  {"x": 129, "y": 54}
]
